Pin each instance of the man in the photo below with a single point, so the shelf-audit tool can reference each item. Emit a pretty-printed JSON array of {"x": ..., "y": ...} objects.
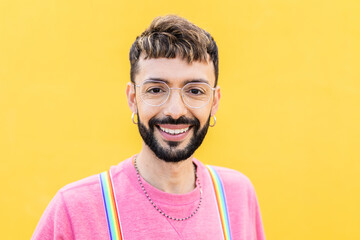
[{"x": 162, "y": 192}]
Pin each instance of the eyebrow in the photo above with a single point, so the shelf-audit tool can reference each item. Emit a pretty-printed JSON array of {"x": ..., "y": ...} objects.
[{"x": 199, "y": 80}]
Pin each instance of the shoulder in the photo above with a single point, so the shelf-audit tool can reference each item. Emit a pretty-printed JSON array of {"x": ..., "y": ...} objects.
[
  {"x": 235, "y": 181},
  {"x": 242, "y": 203},
  {"x": 230, "y": 176},
  {"x": 56, "y": 221},
  {"x": 80, "y": 188},
  {"x": 75, "y": 203},
  {"x": 89, "y": 187}
]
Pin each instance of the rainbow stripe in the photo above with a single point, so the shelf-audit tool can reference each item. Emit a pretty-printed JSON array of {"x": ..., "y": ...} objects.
[
  {"x": 110, "y": 206},
  {"x": 221, "y": 201},
  {"x": 112, "y": 211}
]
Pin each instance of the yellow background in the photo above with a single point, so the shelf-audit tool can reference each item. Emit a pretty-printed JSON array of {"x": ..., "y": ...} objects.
[{"x": 289, "y": 115}]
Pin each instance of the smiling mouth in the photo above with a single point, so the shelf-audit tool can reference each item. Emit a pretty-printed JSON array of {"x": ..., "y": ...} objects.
[{"x": 174, "y": 131}]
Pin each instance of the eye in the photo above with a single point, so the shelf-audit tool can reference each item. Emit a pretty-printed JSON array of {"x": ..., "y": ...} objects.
[
  {"x": 155, "y": 90},
  {"x": 196, "y": 91}
]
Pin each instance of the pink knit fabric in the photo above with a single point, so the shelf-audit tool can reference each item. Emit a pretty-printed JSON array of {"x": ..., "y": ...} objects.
[{"x": 77, "y": 210}]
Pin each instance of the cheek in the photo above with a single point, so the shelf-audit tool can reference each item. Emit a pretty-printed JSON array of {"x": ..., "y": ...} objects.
[
  {"x": 202, "y": 115},
  {"x": 146, "y": 113}
]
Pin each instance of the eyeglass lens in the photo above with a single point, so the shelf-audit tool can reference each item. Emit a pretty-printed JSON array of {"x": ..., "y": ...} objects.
[{"x": 194, "y": 95}]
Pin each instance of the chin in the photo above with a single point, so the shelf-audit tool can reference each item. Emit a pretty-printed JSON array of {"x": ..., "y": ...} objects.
[{"x": 173, "y": 151}]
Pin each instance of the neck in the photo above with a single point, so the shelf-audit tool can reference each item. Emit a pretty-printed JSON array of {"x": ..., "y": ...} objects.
[{"x": 178, "y": 178}]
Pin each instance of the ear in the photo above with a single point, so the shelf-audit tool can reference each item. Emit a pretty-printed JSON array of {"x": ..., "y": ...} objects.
[
  {"x": 131, "y": 97},
  {"x": 215, "y": 104}
]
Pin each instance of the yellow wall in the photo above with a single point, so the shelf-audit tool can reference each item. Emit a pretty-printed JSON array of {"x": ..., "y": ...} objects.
[{"x": 289, "y": 116}]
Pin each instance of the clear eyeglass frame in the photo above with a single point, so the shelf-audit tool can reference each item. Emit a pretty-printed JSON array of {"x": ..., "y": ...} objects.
[{"x": 182, "y": 94}]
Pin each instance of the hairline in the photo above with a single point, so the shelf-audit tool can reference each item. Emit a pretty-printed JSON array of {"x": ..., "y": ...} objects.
[{"x": 142, "y": 57}]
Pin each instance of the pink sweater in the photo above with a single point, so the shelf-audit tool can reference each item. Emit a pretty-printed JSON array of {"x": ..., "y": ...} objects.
[{"x": 77, "y": 210}]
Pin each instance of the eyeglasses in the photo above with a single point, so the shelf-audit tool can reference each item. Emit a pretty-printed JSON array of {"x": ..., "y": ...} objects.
[{"x": 194, "y": 94}]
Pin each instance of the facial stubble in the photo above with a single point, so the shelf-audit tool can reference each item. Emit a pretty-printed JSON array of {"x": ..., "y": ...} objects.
[{"x": 170, "y": 153}]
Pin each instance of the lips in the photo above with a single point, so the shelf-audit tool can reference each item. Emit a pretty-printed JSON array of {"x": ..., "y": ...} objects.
[{"x": 171, "y": 132}]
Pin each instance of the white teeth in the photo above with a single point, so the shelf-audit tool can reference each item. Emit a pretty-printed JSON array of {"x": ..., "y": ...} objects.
[{"x": 174, "y": 131}]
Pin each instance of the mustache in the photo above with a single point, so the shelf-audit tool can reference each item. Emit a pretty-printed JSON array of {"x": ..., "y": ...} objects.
[{"x": 169, "y": 120}]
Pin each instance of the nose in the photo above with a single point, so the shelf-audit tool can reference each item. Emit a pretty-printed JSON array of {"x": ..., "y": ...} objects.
[{"x": 174, "y": 106}]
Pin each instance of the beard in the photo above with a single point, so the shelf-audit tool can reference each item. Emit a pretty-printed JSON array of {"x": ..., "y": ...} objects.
[{"x": 171, "y": 153}]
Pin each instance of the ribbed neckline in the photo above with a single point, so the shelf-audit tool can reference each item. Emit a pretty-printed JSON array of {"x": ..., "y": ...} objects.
[{"x": 159, "y": 196}]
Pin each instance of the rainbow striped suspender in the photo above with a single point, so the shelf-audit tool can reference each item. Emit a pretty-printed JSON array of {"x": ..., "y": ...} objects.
[
  {"x": 221, "y": 202},
  {"x": 110, "y": 206},
  {"x": 111, "y": 209}
]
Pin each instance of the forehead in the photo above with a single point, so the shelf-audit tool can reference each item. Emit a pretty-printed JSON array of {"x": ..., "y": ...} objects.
[{"x": 176, "y": 71}]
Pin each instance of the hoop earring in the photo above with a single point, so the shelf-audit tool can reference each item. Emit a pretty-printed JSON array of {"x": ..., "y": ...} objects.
[
  {"x": 212, "y": 125},
  {"x": 132, "y": 118}
]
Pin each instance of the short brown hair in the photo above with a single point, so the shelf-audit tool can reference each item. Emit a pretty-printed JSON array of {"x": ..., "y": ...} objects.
[{"x": 171, "y": 36}]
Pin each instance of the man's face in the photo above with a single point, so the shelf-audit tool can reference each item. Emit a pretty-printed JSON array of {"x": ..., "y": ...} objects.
[{"x": 173, "y": 131}]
